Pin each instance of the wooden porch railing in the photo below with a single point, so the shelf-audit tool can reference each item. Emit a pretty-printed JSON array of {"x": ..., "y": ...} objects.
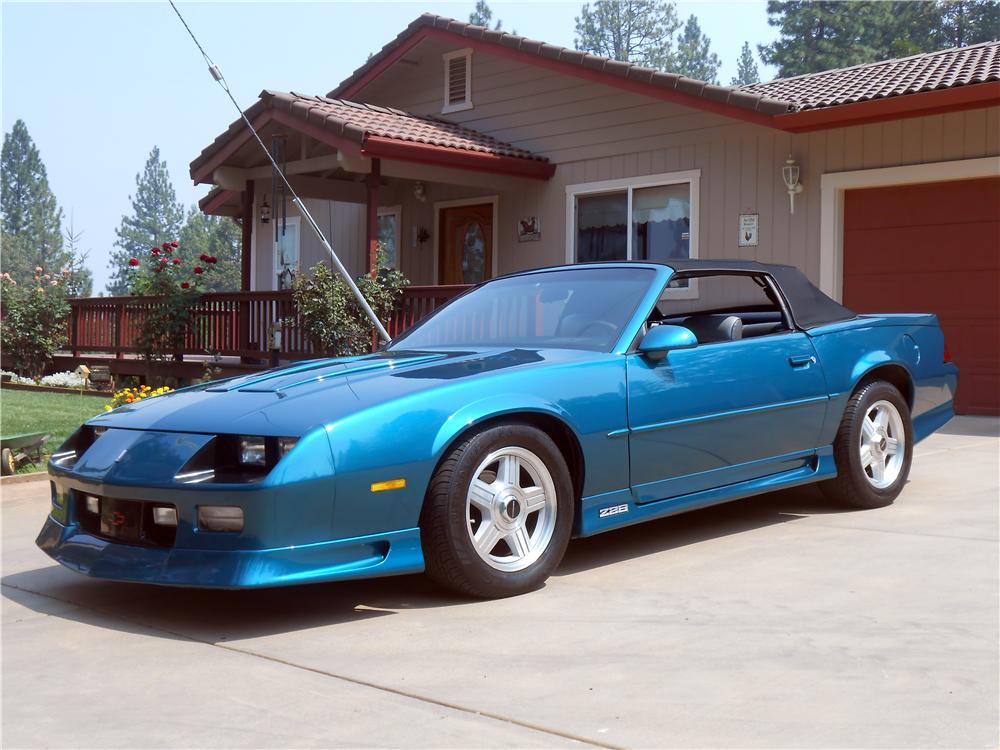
[{"x": 225, "y": 323}]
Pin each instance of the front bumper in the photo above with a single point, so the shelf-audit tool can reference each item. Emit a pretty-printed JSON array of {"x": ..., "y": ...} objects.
[{"x": 392, "y": 553}]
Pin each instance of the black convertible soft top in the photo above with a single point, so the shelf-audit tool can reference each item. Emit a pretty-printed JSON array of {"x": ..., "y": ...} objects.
[{"x": 808, "y": 305}]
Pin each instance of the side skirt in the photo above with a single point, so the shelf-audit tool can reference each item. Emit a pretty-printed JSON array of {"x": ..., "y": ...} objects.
[{"x": 614, "y": 510}]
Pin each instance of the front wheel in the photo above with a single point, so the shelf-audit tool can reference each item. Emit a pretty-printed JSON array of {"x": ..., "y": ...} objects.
[
  {"x": 873, "y": 448},
  {"x": 499, "y": 513}
]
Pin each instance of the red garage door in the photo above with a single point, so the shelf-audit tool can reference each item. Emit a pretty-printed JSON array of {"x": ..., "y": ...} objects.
[{"x": 933, "y": 247}]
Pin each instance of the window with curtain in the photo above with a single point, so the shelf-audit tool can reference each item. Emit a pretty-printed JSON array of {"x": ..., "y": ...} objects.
[
  {"x": 661, "y": 222},
  {"x": 602, "y": 227},
  {"x": 634, "y": 222}
]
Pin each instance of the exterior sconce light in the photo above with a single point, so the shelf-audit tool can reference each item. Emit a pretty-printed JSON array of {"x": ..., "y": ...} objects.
[
  {"x": 265, "y": 212},
  {"x": 790, "y": 174},
  {"x": 420, "y": 192}
]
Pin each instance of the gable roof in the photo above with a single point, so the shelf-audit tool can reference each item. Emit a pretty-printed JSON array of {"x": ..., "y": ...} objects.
[
  {"x": 931, "y": 71},
  {"x": 936, "y": 81},
  {"x": 583, "y": 61},
  {"x": 376, "y": 131}
]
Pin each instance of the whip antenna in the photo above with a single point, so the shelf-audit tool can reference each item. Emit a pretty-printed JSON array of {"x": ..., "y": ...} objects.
[{"x": 221, "y": 80}]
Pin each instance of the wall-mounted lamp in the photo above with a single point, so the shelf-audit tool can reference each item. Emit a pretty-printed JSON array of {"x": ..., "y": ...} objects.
[
  {"x": 265, "y": 212},
  {"x": 790, "y": 174},
  {"x": 420, "y": 192}
]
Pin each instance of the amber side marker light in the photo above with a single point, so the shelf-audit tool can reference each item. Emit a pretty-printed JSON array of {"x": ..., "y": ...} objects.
[{"x": 391, "y": 484}]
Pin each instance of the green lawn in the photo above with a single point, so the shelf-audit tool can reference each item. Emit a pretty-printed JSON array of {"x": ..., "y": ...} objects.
[{"x": 56, "y": 413}]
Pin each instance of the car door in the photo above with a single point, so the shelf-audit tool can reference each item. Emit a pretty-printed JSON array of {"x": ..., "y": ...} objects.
[{"x": 722, "y": 413}]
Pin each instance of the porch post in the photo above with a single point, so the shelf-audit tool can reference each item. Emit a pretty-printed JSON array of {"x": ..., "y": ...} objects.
[
  {"x": 246, "y": 269},
  {"x": 374, "y": 178},
  {"x": 246, "y": 256}
]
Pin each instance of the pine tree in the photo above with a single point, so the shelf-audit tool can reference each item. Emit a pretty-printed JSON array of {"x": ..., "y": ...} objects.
[
  {"x": 81, "y": 280},
  {"x": 746, "y": 68},
  {"x": 817, "y": 36},
  {"x": 156, "y": 218},
  {"x": 964, "y": 22},
  {"x": 482, "y": 15},
  {"x": 694, "y": 56},
  {"x": 218, "y": 237},
  {"x": 635, "y": 31},
  {"x": 30, "y": 217}
]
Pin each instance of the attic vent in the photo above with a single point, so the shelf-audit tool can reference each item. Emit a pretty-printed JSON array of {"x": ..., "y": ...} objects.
[{"x": 457, "y": 81}]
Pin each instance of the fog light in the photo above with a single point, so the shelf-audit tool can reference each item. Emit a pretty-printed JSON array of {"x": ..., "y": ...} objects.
[
  {"x": 165, "y": 516},
  {"x": 93, "y": 504},
  {"x": 220, "y": 518},
  {"x": 252, "y": 451}
]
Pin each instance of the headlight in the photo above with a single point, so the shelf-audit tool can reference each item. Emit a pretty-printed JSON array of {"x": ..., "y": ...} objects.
[
  {"x": 285, "y": 445},
  {"x": 76, "y": 445},
  {"x": 253, "y": 451},
  {"x": 235, "y": 459}
]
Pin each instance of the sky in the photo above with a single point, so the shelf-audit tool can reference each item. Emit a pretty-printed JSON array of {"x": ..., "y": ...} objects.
[{"x": 100, "y": 84}]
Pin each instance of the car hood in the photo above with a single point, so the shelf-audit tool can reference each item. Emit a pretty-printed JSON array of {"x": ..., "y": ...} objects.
[{"x": 293, "y": 400}]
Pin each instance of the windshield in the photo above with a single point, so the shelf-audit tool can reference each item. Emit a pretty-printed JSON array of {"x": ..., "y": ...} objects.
[{"x": 584, "y": 308}]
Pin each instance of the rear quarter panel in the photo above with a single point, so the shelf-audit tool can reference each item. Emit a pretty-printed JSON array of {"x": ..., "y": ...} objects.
[{"x": 850, "y": 350}]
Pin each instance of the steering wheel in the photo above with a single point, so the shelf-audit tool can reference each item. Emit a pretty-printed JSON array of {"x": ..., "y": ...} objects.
[{"x": 599, "y": 329}]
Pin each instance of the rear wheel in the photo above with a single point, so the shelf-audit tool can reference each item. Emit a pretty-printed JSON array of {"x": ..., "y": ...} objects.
[
  {"x": 873, "y": 448},
  {"x": 499, "y": 513}
]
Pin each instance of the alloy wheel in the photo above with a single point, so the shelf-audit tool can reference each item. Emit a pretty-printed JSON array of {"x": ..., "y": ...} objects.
[{"x": 511, "y": 509}]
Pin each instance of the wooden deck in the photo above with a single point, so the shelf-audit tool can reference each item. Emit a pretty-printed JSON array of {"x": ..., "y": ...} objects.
[{"x": 230, "y": 331}]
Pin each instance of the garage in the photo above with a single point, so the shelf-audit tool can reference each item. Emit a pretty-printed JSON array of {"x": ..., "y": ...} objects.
[{"x": 933, "y": 247}]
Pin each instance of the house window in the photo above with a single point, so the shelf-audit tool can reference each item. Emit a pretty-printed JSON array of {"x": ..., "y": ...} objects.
[
  {"x": 646, "y": 218},
  {"x": 286, "y": 253},
  {"x": 457, "y": 81},
  {"x": 388, "y": 233}
]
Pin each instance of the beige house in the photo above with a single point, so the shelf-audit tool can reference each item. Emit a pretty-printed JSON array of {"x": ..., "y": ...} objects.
[{"x": 473, "y": 153}]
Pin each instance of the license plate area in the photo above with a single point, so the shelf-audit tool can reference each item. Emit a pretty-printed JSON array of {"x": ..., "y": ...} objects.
[
  {"x": 121, "y": 519},
  {"x": 125, "y": 521}
]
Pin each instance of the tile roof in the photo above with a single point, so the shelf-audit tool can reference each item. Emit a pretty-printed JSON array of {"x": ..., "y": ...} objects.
[
  {"x": 962, "y": 66},
  {"x": 657, "y": 78},
  {"x": 355, "y": 121},
  {"x": 926, "y": 72}
]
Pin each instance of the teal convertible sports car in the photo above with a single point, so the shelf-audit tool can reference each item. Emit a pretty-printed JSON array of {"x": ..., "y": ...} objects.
[{"x": 535, "y": 407}]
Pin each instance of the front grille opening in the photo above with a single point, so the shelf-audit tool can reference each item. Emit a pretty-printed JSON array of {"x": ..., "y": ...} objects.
[{"x": 124, "y": 521}]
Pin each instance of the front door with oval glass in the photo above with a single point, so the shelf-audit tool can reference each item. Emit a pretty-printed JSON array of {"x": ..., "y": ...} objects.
[{"x": 466, "y": 244}]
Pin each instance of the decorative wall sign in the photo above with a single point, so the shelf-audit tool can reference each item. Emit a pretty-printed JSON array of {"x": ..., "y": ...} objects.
[
  {"x": 748, "y": 230},
  {"x": 529, "y": 229}
]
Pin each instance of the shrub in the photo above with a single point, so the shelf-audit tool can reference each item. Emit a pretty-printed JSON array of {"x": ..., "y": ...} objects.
[
  {"x": 15, "y": 378},
  {"x": 34, "y": 322},
  {"x": 63, "y": 380},
  {"x": 332, "y": 319},
  {"x": 179, "y": 285}
]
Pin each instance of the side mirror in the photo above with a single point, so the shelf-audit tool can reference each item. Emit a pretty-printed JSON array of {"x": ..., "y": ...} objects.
[{"x": 665, "y": 338}]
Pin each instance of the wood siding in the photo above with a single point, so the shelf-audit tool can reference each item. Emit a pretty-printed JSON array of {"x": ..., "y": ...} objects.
[{"x": 594, "y": 132}]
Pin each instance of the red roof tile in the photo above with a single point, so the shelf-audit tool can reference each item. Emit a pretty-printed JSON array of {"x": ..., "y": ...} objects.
[
  {"x": 356, "y": 122},
  {"x": 659, "y": 79},
  {"x": 927, "y": 72},
  {"x": 962, "y": 66}
]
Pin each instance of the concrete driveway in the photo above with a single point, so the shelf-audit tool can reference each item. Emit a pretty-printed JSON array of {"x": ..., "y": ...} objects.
[{"x": 771, "y": 622}]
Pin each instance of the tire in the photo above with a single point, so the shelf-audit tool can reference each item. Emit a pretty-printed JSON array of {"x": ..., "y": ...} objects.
[
  {"x": 509, "y": 482},
  {"x": 8, "y": 464},
  {"x": 870, "y": 472}
]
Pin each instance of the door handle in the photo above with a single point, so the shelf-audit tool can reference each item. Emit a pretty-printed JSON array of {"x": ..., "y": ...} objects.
[{"x": 801, "y": 360}]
